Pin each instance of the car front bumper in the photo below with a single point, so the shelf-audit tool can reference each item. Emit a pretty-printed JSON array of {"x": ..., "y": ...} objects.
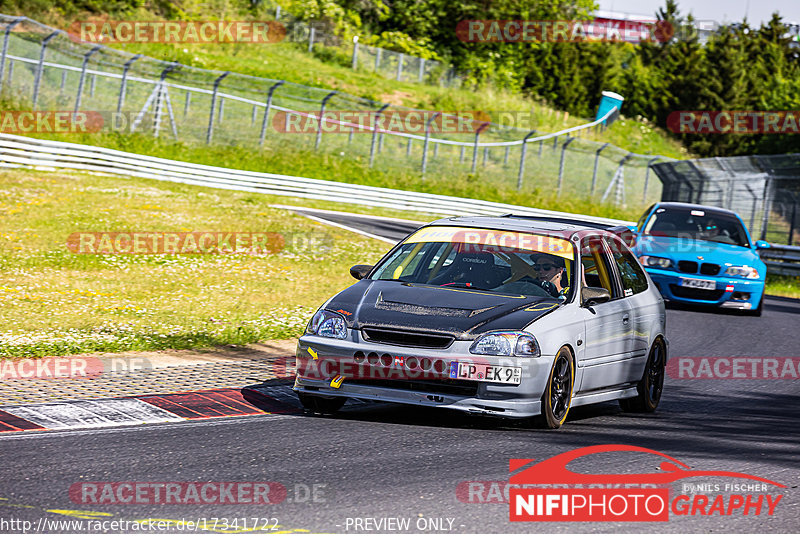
[
  {"x": 318, "y": 367},
  {"x": 729, "y": 292}
]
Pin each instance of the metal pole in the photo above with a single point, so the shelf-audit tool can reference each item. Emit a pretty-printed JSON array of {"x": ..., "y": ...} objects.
[
  {"x": 475, "y": 145},
  {"x": 596, "y": 161},
  {"x": 311, "y": 40},
  {"x": 561, "y": 164},
  {"x": 213, "y": 105},
  {"x": 485, "y": 155},
  {"x": 766, "y": 205},
  {"x": 92, "y": 85},
  {"x": 375, "y": 134},
  {"x": 647, "y": 178},
  {"x": 321, "y": 116},
  {"x": 40, "y": 67},
  {"x": 427, "y": 138},
  {"x": 421, "y": 74},
  {"x": 82, "y": 79},
  {"x": 522, "y": 158},
  {"x": 752, "y": 208},
  {"x": 5, "y": 47},
  {"x": 400, "y": 67},
  {"x": 505, "y": 156},
  {"x": 378, "y": 59},
  {"x": 408, "y": 146},
  {"x": 187, "y": 101},
  {"x": 63, "y": 81},
  {"x": 794, "y": 220},
  {"x": 461, "y": 155},
  {"x": 555, "y": 142},
  {"x": 124, "y": 83},
  {"x": 162, "y": 90},
  {"x": 221, "y": 112},
  {"x": 266, "y": 111},
  {"x": 355, "y": 55}
]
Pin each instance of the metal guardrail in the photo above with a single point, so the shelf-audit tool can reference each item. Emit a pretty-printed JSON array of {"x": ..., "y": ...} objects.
[
  {"x": 44, "y": 66},
  {"x": 19, "y": 151},
  {"x": 781, "y": 259}
]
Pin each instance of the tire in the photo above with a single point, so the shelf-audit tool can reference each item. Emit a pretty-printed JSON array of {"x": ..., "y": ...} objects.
[
  {"x": 557, "y": 397},
  {"x": 758, "y": 310},
  {"x": 651, "y": 385},
  {"x": 321, "y": 405}
]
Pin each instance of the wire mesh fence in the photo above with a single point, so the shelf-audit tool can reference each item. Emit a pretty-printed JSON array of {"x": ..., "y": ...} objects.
[
  {"x": 50, "y": 70},
  {"x": 763, "y": 190}
]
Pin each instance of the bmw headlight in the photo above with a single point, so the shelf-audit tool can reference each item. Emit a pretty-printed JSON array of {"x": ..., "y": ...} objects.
[
  {"x": 742, "y": 270},
  {"x": 327, "y": 324},
  {"x": 506, "y": 344},
  {"x": 655, "y": 261}
]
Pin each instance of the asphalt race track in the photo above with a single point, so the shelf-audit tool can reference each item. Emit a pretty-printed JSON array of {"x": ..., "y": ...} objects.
[{"x": 379, "y": 461}]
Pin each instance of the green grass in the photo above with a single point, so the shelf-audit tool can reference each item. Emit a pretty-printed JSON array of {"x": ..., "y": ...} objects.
[
  {"x": 56, "y": 302},
  {"x": 783, "y": 286}
]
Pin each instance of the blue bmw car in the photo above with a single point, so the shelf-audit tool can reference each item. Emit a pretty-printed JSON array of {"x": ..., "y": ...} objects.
[{"x": 701, "y": 255}]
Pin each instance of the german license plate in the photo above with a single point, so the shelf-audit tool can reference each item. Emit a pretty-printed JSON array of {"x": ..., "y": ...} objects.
[
  {"x": 697, "y": 283},
  {"x": 485, "y": 373}
]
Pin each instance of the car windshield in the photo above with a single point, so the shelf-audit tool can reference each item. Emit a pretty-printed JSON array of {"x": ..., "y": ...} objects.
[
  {"x": 697, "y": 224},
  {"x": 486, "y": 260}
]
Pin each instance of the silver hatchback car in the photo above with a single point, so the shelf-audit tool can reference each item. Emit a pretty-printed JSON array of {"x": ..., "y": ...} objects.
[{"x": 508, "y": 316}]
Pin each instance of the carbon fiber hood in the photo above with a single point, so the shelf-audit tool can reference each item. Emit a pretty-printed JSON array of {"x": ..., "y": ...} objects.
[{"x": 463, "y": 313}]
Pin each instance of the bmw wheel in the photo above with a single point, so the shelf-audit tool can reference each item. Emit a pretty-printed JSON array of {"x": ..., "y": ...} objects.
[
  {"x": 557, "y": 397},
  {"x": 652, "y": 383}
]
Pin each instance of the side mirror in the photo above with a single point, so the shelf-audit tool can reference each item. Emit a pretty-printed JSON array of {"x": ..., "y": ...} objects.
[
  {"x": 594, "y": 295},
  {"x": 360, "y": 271},
  {"x": 762, "y": 244}
]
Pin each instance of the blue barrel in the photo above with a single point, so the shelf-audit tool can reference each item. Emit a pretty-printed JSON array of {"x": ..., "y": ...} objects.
[{"x": 608, "y": 102}]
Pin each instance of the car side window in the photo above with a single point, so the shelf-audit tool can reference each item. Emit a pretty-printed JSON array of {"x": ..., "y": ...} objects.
[
  {"x": 633, "y": 278},
  {"x": 596, "y": 270},
  {"x": 643, "y": 218}
]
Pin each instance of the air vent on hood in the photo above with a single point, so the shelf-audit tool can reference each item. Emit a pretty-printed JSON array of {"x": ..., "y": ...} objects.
[{"x": 406, "y": 338}]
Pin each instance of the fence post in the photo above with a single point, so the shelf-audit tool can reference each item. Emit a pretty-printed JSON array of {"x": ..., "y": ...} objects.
[
  {"x": 408, "y": 146},
  {"x": 63, "y": 81},
  {"x": 375, "y": 133},
  {"x": 5, "y": 47},
  {"x": 82, "y": 79},
  {"x": 311, "y": 39},
  {"x": 163, "y": 90},
  {"x": 522, "y": 158},
  {"x": 187, "y": 101},
  {"x": 561, "y": 164},
  {"x": 475, "y": 145},
  {"x": 618, "y": 176},
  {"x": 321, "y": 116},
  {"x": 209, "y": 132},
  {"x": 485, "y": 155},
  {"x": 421, "y": 74},
  {"x": 355, "y": 52},
  {"x": 427, "y": 138},
  {"x": 378, "y": 58},
  {"x": 266, "y": 111},
  {"x": 461, "y": 155},
  {"x": 766, "y": 205},
  {"x": 794, "y": 220},
  {"x": 40, "y": 67},
  {"x": 505, "y": 156},
  {"x": 124, "y": 83},
  {"x": 400, "y": 67},
  {"x": 596, "y": 161},
  {"x": 752, "y": 208},
  {"x": 555, "y": 142},
  {"x": 647, "y": 178}
]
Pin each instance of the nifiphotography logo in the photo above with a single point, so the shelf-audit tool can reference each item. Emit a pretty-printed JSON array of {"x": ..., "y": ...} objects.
[{"x": 548, "y": 491}]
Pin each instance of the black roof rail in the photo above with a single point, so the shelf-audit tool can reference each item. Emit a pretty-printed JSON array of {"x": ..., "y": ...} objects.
[{"x": 578, "y": 222}]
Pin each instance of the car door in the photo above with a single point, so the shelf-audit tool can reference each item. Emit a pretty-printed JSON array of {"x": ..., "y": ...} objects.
[
  {"x": 644, "y": 309},
  {"x": 609, "y": 330}
]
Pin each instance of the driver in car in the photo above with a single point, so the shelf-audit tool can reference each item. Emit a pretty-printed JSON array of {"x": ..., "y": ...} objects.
[{"x": 550, "y": 271}]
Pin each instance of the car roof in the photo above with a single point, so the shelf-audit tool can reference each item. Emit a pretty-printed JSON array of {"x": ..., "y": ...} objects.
[
  {"x": 711, "y": 209},
  {"x": 552, "y": 226}
]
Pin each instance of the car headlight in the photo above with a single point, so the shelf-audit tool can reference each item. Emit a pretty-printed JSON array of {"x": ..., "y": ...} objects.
[
  {"x": 506, "y": 344},
  {"x": 742, "y": 270},
  {"x": 655, "y": 261},
  {"x": 327, "y": 324}
]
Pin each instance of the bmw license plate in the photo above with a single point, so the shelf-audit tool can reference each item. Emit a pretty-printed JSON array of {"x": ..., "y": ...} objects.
[
  {"x": 697, "y": 283},
  {"x": 485, "y": 373}
]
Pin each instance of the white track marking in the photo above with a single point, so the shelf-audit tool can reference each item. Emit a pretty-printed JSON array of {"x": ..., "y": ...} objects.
[{"x": 92, "y": 414}]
